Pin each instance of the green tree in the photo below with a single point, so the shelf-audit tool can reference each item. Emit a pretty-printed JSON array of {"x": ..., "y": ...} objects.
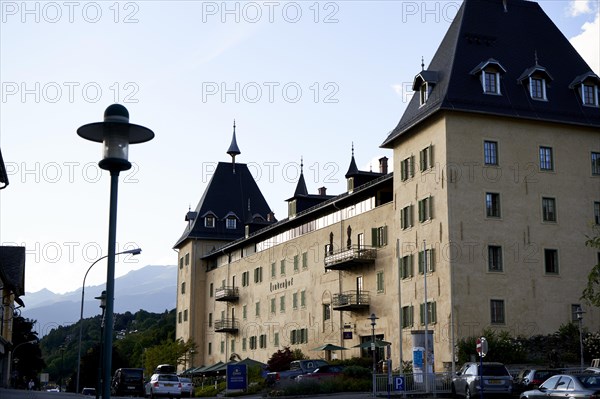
[
  {"x": 281, "y": 359},
  {"x": 169, "y": 352},
  {"x": 27, "y": 355},
  {"x": 591, "y": 292}
]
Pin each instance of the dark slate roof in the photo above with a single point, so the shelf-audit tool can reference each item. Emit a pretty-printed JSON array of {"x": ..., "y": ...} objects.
[
  {"x": 227, "y": 194},
  {"x": 516, "y": 38},
  {"x": 352, "y": 169},
  {"x": 12, "y": 268},
  {"x": 301, "y": 186}
]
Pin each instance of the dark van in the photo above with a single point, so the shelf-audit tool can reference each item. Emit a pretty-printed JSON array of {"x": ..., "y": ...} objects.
[
  {"x": 165, "y": 369},
  {"x": 128, "y": 382}
]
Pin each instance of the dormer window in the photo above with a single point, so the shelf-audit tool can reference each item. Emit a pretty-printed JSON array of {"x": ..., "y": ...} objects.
[
  {"x": 230, "y": 222},
  {"x": 536, "y": 79},
  {"x": 489, "y": 72},
  {"x": 424, "y": 83},
  {"x": 209, "y": 221},
  {"x": 586, "y": 86}
]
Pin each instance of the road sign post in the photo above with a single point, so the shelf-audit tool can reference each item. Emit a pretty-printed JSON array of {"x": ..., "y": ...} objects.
[{"x": 482, "y": 348}]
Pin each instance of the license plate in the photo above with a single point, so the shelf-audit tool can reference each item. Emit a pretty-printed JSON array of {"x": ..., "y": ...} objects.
[
  {"x": 168, "y": 385},
  {"x": 494, "y": 382},
  {"x": 130, "y": 387}
]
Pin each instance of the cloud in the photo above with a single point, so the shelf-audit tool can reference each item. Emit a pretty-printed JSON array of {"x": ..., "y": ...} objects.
[
  {"x": 587, "y": 42},
  {"x": 579, "y": 7}
]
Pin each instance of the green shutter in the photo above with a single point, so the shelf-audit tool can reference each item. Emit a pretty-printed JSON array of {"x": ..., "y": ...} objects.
[
  {"x": 430, "y": 203},
  {"x": 422, "y": 313},
  {"x": 421, "y": 258},
  {"x": 412, "y": 166},
  {"x": 374, "y": 237}
]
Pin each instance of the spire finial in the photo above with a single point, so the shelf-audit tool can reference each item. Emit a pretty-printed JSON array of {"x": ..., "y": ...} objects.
[
  {"x": 422, "y": 63},
  {"x": 233, "y": 148},
  {"x": 301, "y": 165},
  {"x": 353, "y": 149},
  {"x": 536, "y": 57}
]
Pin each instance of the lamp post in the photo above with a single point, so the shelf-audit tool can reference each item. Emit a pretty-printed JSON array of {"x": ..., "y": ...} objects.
[
  {"x": 579, "y": 314},
  {"x": 13, "y": 358},
  {"x": 373, "y": 323},
  {"x": 116, "y": 133},
  {"x": 62, "y": 362},
  {"x": 135, "y": 251},
  {"x": 102, "y": 299}
]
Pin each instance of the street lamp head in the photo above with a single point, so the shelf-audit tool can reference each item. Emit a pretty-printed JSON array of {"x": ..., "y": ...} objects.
[
  {"x": 579, "y": 312},
  {"x": 102, "y": 299},
  {"x": 116, "y": 133},
  {"x": 373, "y": 318},
  {"x": 135, "y": 251}
]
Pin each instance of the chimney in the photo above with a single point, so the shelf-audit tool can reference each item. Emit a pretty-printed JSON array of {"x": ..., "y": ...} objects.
[
  {"x": 323, "y": 191},
  {"x": 383, "y": 165}
]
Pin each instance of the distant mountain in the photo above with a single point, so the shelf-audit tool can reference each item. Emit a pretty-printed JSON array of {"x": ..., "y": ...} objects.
[{"x": 151, "y": 288}]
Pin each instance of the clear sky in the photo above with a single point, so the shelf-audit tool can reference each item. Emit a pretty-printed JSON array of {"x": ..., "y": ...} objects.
[{"x": 302, "y": 79}]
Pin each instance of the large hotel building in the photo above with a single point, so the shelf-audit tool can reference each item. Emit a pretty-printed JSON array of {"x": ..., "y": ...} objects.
[{"x": 482, "y": 224}]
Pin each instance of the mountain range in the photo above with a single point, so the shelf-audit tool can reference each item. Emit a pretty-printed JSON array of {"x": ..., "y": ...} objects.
[{"x": 151, "y": 288}]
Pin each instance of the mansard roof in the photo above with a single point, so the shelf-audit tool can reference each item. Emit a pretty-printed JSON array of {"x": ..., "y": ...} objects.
[
  {"x": 231, "y": 191},
  {"x": 512, "y": 33}
]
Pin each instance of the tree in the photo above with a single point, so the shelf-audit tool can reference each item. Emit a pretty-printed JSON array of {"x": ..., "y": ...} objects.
[
  {"x": 591, "y": 293},
  {"x": 26, "y": 352},
  {"x": 281, "y": 360},
  {"x": 169, "y": 352}
]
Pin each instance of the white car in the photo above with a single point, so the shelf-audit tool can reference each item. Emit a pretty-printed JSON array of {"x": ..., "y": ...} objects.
[
  {"x": 187, "y": 387},
  {"x": 167, "y": 385}
]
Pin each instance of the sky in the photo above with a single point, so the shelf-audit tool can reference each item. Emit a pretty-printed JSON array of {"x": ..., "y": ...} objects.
[{"x": 303, "y": 80}]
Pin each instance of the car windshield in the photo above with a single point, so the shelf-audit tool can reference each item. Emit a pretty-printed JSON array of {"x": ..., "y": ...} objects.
[
  {"x": 185, "y": 380},
  {"x": 494, "y": 370}
]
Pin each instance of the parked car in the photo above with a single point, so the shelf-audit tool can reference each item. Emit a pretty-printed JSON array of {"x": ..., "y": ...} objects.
[
  {"x": 593, "y": 370},
  {"x": 493, "y": 377},
  {"x": 187, "y": 387},
  {"x": 297, "y": 367},
  {"x": 88, "y": 391},
  {"x": 582, "y": 386},
  {"x": 529, "y": 379},
  {"x": 322, "y": 373},
  {"x": 163, "y": 385},
  {"x": 128, "y": 381}
]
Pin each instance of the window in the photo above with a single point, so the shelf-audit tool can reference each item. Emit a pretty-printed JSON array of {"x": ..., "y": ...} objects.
[
  {"x": 492, "y": 205},
  {"x": 211, "y": 290},
  {"x": 282, "y": 267},
  {"x": 183, "y": 288},
  {"x": 305, "y": 260},
  {"x": 491, "y": 82},
  {"x": 258, "y": 275},
  {"x": 253, "y": 342},
  {"x": 490, "y": 153},
  {"x": 245, "y": 312},
  {"x": 407, "y": 316},
  {"x": 431, "y": 313},
  {"x": 179, "y": 317},
  {"x": 244, "y": 343},
  {"x": 187, "y": 259},
  {"x": 302, "y": 299},
  {"x": 222, "y": 346},
  {"x": 537, "y": 88},
  {"x": 282, "y": 304},
  {"x": 424, "y": 92},
  {"x": 263, "y": 341},
  {"x": 181, "y": 263},
  {"x": 245, "y": 279},
  {"x": 379, "y": 236},
  {"x": 209, "y": 221},
  {"x": 273, "y": 305},
  {"x": 296, "y": 263},
  {"x": 428, "y": 256},
  {"x": 495, "y": 258},
  {"x": 546, "y": 161},
  {"x": 551, "y": 261},
  {"x": 210, "y": 320},
  {"x": 380, "y": 282},
  {"x": 232, "y": 346},
  {"x": 574, "y": 309},
  {"x": 350, "y": 184},
  {"x": 406, "y": 266},
  {"x": 406, "y": 217},
  {"x": 273, "y": 270},
  {"x": 257, "y": 309},
  {"x": 597, "y": 213},
  {"x": 185, "y": 315},
  {"x": 548, "y": 209},
  {"x": 230, "y": 222},
  {"x": 295, "y": 300},
  {"x": 276, "y": 339},
  {"x": 589, "y": 95},
  {"x": 426, "y": 209},
  {"x": 326, "y": 311},
  {"x": 497, "y": 311},
  {"x": 407, "y": 168},
  {"x": 299, "y": 336},
  {"x": 426, "y": 158},
  {"x": 596, "y": 163},
  {"x": 210, "y": 348}
]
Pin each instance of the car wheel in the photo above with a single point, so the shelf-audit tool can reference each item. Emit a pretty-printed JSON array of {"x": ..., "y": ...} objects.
[{"x": 467, "y": 393}]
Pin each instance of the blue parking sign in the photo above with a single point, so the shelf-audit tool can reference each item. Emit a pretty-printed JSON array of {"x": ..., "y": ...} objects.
[{"x": 398, "y": 383}]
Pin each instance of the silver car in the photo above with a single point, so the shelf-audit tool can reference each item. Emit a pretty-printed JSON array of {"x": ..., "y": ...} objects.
[
  {"x": 470, "y": 379},
  {"x": 164, "y": 385},
  {"x": 582, "y": 386}
]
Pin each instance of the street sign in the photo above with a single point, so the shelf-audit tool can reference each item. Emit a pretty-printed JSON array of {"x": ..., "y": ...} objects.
[
  {"x": 482, "y": 346},
  {"x": 398, "y": 383}
]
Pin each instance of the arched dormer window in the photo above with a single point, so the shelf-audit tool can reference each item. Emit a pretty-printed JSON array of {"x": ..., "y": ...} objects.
[
  {"x": 424, "y": 83},
  {"x": 586, "y": 86},
  {"x": 536, "y": 79},
  {"x": 490, "y": 73},
  {"x": 231, "y": 221},
  {"x": 209, "y": 220}
]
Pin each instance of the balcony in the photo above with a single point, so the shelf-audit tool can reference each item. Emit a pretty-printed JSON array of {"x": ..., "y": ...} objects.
[
  {"x": 227, "y": 294},
  {"x": 226, "y": 326},
  {"x": 351, "y": 300},
  {"x": 349, "y": 257}
]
